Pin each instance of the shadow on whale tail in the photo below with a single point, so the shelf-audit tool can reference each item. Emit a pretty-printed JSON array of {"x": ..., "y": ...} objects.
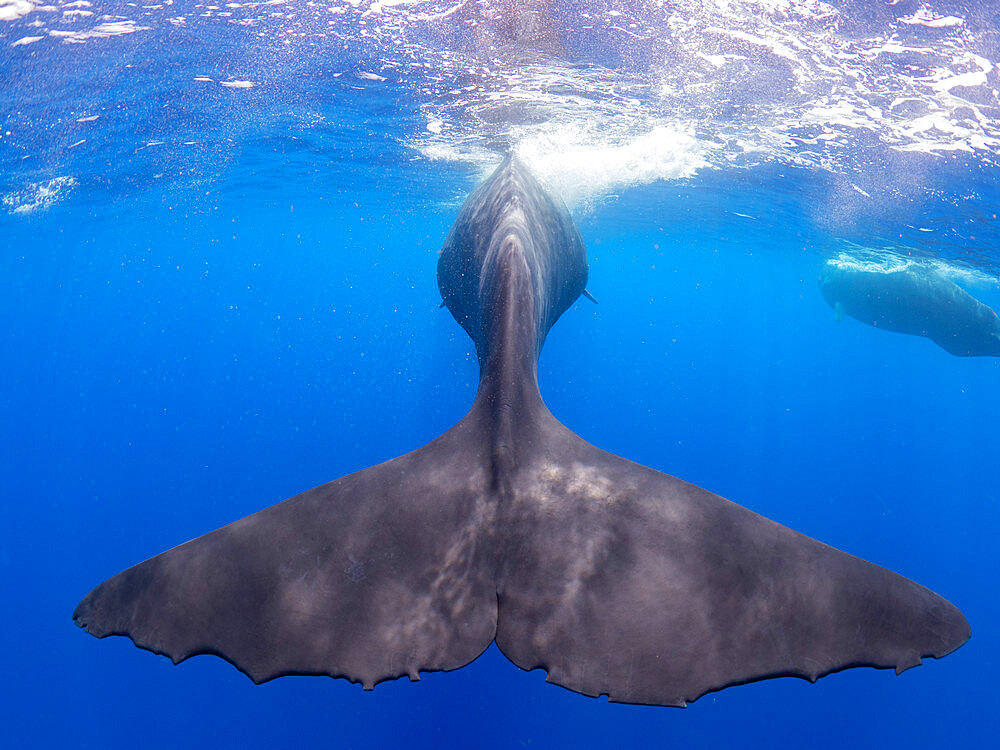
[{"x": 614, "y": 578}]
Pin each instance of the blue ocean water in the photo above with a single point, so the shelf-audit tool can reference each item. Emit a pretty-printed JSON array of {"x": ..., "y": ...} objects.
[{"x": 219, "y": 228}]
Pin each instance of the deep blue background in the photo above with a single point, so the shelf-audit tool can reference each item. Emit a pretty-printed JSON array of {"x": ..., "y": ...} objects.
[
  {"x": 172, "y": 361},
  {"x": 203, "y": 327}
]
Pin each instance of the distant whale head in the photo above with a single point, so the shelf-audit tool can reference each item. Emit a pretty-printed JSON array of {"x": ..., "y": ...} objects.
[{"x": 914, "y": 300}]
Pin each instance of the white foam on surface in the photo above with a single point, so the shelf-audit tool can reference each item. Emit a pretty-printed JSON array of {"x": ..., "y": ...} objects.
[
  {"x": 749, "y": 81},
  {"x": 11, "y": 10},
  {"x": 872, "y": 260},
  {"x": 690, "y": 84},
  {"x": 580, "y": 164},
  {"x": 100, "y": 31},
  {"x": 924, "y": 16},
  {"x": 38, "y": 196},
  {"x": 894, "y": 259},
  {"x": 582, "y": 167}
]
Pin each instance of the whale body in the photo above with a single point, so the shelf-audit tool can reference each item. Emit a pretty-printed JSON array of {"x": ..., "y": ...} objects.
[
  {"x": 916, "y": 301},
  {"x": 614, "y": 578}
]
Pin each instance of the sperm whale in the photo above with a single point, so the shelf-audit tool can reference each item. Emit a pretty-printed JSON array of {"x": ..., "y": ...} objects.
[
  {"x": 614, "y": 578},
  {"x": 913, "y": 300}
]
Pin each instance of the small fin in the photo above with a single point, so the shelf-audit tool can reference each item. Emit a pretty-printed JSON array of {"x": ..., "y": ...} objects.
[
  {"x": 838, "y": 312},
  {"x": 589, "y": 296}
]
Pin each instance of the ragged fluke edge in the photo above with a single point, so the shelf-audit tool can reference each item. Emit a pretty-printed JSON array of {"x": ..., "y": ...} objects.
[{"x": 614, "y": 578}]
